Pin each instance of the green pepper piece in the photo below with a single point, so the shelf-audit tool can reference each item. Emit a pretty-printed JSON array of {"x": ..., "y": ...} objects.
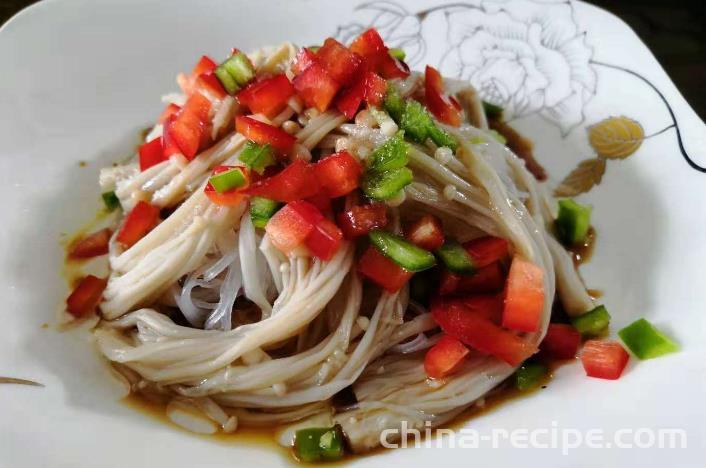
[
  {"x": 645, "y": 341},
  {"x": 592, "y": 323},
  {"x": 402, "y": 252},
  {"x": 390, "y": 155},
  {"x": 331, "y": 444},
  {"x": 529, "y": 375},
  {"x": 257, "y": 157},
  {"x": 387, "y": 184},
  {"x": 492, "y": 111},
  {"x": 442, "y": 138},
  {"x": 397, "y": 53},
  {"x": 261, "y": 210},
  {"x": 394, "y": 104},
  {"x": 416, "y": 122},
  {"x": 110, "y": 200},
  {"x": 228, "y": 180},
  {"x": 318, "y": 443},
  {"x": 235, "y": 72},
  {"x": 228, "y": 82},
  {"x": 455, "y": 258},
  {"x": 573, "y": 222}
]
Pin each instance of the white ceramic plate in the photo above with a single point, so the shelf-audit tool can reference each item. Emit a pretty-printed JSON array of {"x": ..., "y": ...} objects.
[{"x": 80, "y": 77}]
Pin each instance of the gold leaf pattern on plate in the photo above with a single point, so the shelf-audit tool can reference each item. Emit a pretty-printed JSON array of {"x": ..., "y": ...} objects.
[
  {"x": 616, "y": 137},
  {"x": 588, "y": 173}
]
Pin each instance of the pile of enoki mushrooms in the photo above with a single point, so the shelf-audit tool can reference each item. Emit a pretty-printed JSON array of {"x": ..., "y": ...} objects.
[{"x": 204, "y": 315}]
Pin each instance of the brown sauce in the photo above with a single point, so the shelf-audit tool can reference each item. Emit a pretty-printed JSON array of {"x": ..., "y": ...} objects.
[
  {"x": 583, "y": 252},
  {"x": 521, "y": 146},
  {"x": 265, "y": 437}
]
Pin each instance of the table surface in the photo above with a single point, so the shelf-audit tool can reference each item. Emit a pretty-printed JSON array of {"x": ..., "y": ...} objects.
[{"x": 675, "y": 31}]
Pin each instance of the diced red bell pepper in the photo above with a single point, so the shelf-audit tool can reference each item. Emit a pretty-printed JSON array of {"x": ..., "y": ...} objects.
[
  {"x": 210, "y": 83},
  {"x": 383, "y": 271},
  {"x": 562, "y": 341},
  {"x": 481, "y": 333},
  {"x": 338, "y": 174},
  {"x": 445, "y": 357},
  {"x": 232, "y": 197},
  {"x": 303, "y": 60},
  {"x": 191, "y": 125},
  {"x": 288, "y": 229},
  {"x": 300, "y": 222},
  {"x": 322, "y": 202},
  {"x": 92, "y": 245},
  {"x": 390, "y": 68},
  {"x": 316, "y": 87},
  {"x": 296, "y": 182},
  {"x": 371, "y": 47},
  {"x": 204, "y": 65},
  {"x": 368, "y": 86},
  {"x": 369, "y": 44},
  {"x": 604, "y": 359},
  {"x": 488, "y": 306},
  {"x": 375, "y": 88},
  {"x": 151, "y": 153},
  {"x": 340, "y": 63},
  {"x": 486, "y": 250},
  {"x": 426, "y": 232},
  {"x": 169, "y": 145},
  {"x": 448, "y": 283},
  {"x": 324, "y": 240},
  {"x": 188, "y": 83},
  {"x": 86, "y": 296},
  {"x": 350, "y": 99},
  {"x": 187, "y": 133},
  {"x": 268, "y": 96},
  {"x": 361, "y": 219},
  {"x": 439, "y": 105},
  {"x": 264, "y": 134},
  {"x": 489, "y": 279},
  {"x": 141, "y": 220},
  {"x": 197, "y": 107},
  {"x": 524, "y": 296},
  {"x": 171, "y": 109}
]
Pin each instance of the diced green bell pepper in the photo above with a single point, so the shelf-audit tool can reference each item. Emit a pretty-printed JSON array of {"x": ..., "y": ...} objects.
[
  {"x": 492, "y": 111},
  {"x": 261, "y": 210},
  {"x": 228, "y": 180},
  {"x": 402, "y": 252},
  {"x": 397, "y": 53},
  {"x": 319, "y": 444},
  {"x": 235, "y": 72},
  {"x": 390, "y": 155},
  {"x": 530, "y": 375},
  {"x": 387, "y": 184},
  {"x": 110, "y": 200},
  {"x": 257, "y": 157},
  {"x": 645, "y": 341},
  {"x": 394, "y": 104},
  {"x": 573, "y": 222},
  {"x": 455, "y": 258},
  {"x": 416, "y": 121},
  {"x": 441, "y": 138},
  {"x": 592, "y": 323}
]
